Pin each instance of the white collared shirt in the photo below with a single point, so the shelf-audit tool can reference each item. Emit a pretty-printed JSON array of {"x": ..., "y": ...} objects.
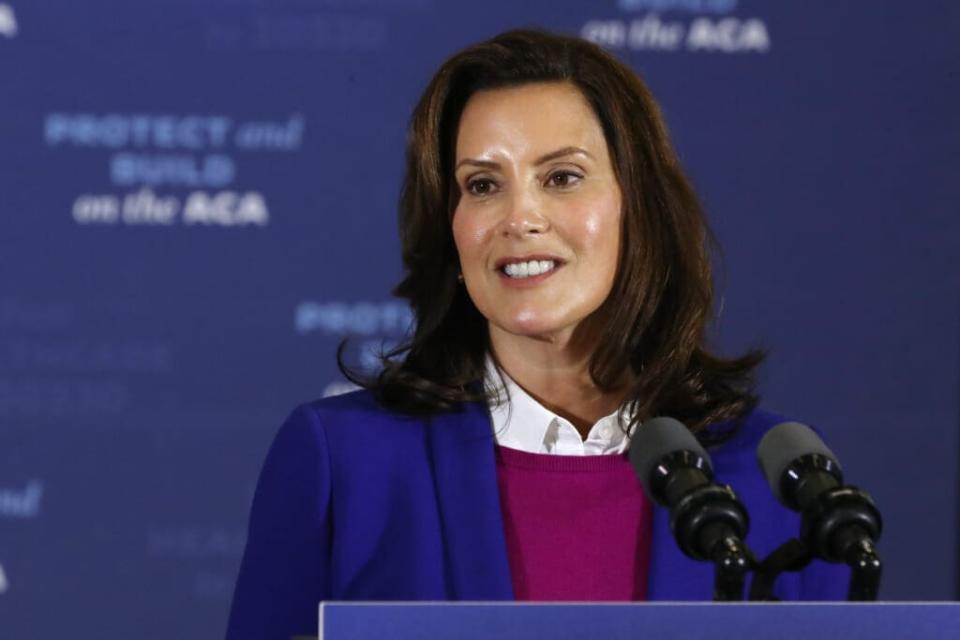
[{"x": 520, "y": 422}]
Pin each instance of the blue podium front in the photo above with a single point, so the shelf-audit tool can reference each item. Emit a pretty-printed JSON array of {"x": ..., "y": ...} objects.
[{"x": 656, "y": 621}]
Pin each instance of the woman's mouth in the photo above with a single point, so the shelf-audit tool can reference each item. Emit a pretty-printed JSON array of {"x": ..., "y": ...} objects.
[{"x": 528, "y": 269}]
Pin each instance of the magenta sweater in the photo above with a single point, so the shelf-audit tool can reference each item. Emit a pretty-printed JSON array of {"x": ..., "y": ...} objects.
[{"x": 577, "y": 527}]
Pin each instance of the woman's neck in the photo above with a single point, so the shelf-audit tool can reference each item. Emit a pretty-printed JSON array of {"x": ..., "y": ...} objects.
[{"x": 555, "y": 371}]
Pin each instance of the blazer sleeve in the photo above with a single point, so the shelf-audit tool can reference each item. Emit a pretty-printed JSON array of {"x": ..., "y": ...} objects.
[{"x": 285, "y": 568}]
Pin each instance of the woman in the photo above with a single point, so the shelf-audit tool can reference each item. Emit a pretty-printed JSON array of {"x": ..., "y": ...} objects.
[{"x": 557, "y": 266}]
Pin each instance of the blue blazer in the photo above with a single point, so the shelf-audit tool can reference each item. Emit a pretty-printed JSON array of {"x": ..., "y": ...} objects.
[{"x": 357, "y": 503}]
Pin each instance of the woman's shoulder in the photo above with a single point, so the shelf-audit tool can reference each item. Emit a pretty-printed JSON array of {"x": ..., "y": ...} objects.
[
  {"x": 358, "y": 401},
  {"x": 356, "y": 410},
  {"x": 738, "y": 439},
  {"x": 748, "y": 429},
  {"x": 344, "y": 428},
  {"x": 358, "y": 416}
]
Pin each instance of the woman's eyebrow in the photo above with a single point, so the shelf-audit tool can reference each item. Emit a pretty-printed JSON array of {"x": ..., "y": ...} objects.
[
  {"x": 559, "y": 153},
  {"x": 485, "y": 164},
  {"x": 553, "y": 155}
]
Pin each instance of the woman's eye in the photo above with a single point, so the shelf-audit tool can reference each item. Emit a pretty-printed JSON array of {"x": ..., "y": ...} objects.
[
  {"x": 563, "y": 179},
  {"x": 480, "y": 187}
]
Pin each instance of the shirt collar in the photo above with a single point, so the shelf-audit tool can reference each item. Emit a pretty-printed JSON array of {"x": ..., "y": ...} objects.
[{"x": 520, "y": 422}]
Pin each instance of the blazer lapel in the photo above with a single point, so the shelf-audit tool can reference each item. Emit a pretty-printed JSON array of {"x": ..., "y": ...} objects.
[
  {"x": 461, "y": 448},
  {"x": 672, "y": 575}
]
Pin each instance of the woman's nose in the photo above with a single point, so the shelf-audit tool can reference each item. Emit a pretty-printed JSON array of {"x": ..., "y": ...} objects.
[{"x": 525, "y": 215}]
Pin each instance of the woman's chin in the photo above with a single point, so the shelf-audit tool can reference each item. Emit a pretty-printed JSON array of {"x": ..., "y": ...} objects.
[{"x": 529, "y": 325}]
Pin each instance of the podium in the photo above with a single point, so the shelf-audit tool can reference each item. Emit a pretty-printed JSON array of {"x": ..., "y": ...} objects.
[{"x": 653, "y": 621}]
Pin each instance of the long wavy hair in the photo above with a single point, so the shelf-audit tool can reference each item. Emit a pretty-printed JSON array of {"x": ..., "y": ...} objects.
[{"x": 661, "y": 300}]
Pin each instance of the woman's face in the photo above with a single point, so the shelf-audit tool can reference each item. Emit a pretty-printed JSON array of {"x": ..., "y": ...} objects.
[{"x": 537, "y": 225}]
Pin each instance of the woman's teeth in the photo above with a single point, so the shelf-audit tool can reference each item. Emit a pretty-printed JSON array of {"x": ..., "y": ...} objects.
[{"x": 528, "y": 269}]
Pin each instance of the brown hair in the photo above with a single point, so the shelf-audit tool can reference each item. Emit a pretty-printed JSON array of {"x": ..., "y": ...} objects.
[{"x": 654, "y": 333}]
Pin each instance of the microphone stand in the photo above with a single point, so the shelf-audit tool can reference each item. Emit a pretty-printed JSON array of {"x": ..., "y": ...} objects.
[
  {"x": 860, "y": 555},
  {"x": 710, "y": 524},
  {"x": 792, "y": 555},
  {"x": 731, "y": 561},
  {"x": 865, "y": 565}
]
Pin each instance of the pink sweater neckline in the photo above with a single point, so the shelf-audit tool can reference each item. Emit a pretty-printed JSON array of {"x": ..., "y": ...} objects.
[{"x": 552, "y": 462}]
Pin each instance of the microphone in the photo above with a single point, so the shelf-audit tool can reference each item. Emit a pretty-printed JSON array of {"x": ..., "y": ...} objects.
[
  {"x": 707, "y": 519},
  {"x": 840, "y": 523}
]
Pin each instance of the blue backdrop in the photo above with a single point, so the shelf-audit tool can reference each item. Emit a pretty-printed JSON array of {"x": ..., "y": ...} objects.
[{"x": 198, "y": 202}]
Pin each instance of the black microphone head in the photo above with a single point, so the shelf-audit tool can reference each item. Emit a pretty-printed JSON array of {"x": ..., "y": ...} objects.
[
  {"x": 657, "y": 438},
  {"x": 784, "y": 444}
]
